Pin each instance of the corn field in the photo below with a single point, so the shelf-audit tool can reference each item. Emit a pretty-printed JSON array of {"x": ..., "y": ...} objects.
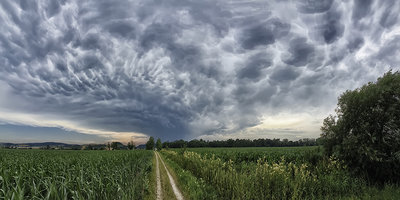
[
  {"x": 272, "y": 154},
  {"x": 41, "y": 174}
]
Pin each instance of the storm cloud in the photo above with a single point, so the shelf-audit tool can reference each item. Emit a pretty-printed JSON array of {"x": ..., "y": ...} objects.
[{"x": 186, "y": 69}]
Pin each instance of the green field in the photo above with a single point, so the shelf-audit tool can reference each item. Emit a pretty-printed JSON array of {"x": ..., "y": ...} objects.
[
  {"x": 252, "y": 154},
  {"x": 271, "y": 173},
  {"x": 41, "y": 174},
  {"x": 201, "y": 173}
]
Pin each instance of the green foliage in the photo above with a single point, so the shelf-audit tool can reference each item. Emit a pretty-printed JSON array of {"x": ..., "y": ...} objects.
[
  {"x": 192, "y": 187},
  {"x": 41, "y": 174},
  {"x": 365, "y": 133},
  {"x": 115, "y": 145},
  {"x": 131, "y": 145},
  {"x": 388, "y": 191},
  {"x": 87, "y": 147},
  {"x": 261, "y": 142},
  {"x": 252, "y": 154},
  {"x": 150, "y": 144},
  {"x": 266, "y": 179},
  {"x": 158, "y": 144}
]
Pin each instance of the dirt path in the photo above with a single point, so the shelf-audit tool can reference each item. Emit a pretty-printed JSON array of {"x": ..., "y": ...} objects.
[
  {"x": 177, "y": 192},
  {"x": 159, "y": 191}
]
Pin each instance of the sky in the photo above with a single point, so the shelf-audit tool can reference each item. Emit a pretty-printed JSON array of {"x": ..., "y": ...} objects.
[{"x": 98, "y": 70}]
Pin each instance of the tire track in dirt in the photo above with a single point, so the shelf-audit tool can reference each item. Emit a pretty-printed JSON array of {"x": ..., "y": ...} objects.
[
  {"x": 159, "y": 191},
  {"x": 177, "y": 192}
]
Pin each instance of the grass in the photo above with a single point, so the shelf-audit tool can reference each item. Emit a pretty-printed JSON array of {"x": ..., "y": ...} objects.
[
  {"x": 41, "y": 174},
  {"x": 273, "y": 173},
  {"x": 191, "y": 187},
  {"x": 389, "y": 191},
  {"x": 167, "y": 192}
]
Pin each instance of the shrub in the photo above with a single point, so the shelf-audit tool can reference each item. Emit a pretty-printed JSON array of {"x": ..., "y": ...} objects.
[{"x": 365, "y": 133}]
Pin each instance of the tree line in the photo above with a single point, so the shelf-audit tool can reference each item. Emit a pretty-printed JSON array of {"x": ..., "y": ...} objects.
[
  {"x": 150, "y": 145},
  {"x": 241, "y": 143}
]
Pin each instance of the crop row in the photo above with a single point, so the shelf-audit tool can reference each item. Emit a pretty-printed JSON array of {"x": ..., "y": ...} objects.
[
  {"x": 40, "y": 174},
  {"x": 310, "y": 155}
]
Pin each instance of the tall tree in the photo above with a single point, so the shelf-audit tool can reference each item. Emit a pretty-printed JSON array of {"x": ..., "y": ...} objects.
[
  {"x": 114, "y": 145},
  {"x": 150, "y": 144},
  {"x": 131, "y": 145},
  {"x": 158, "y": 144},
  {"x": 365, "y": 132}
]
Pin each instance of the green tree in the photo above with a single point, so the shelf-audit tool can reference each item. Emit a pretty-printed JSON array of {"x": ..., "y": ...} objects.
[
  {"x": 131, "y": 145},
  {"x": 87, "y": 147},
  {"x": 150, "y": 144},
  {"x": 365, "y": 133},
  {"x": 158, "y": 144},
  {"x": 114, "y": 145}
]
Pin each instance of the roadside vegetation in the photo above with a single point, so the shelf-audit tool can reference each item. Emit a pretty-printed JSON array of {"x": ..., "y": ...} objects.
[
  {"x": 191, "y": 186},
  {"x": 272, "y": 176},
  {"x": 276, "y": 178}
]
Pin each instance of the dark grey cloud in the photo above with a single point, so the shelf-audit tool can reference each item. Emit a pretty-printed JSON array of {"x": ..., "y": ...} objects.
[
  {"x": 300, "y": 52},
  {"x": 158, "y": 35},
  {"x": 181, "y": 69},
  {"x": 256, "y": 36},
  {"x": 332, "y": 29},
  {"x": 53, "y": 8},
  {"x": 355, "y": 44},
  {"x": 254, "y": 67},
  {"x": 122, "y": 28},
  {"x": 284, "y": 74},
  {"x": 314, "y": 6},
  {"x": 390, "y": 50},
  {"x": 278, "y": 27},
  {"x": 390, "y": 15},
  {"x": 361, "y": 9}
]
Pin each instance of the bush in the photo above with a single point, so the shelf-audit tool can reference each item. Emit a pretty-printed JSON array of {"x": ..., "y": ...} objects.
[
  {"x": 261, "y": 179},
  {"x": 150, "y": 144},
  {"x": 365, "y": 133}
]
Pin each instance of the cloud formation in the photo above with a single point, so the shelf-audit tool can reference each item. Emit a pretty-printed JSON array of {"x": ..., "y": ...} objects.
[{"x": 184, "y": 69}]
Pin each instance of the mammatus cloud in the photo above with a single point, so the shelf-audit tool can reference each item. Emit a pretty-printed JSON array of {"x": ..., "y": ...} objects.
[{"x": 186, "y": 69}]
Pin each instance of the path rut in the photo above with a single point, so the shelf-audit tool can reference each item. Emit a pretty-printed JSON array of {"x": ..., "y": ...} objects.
[
  {"x": 159, "y": 191},
  {"x": 177, "y": 192}
]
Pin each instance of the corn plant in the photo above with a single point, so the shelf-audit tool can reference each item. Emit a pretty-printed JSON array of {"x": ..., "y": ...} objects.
[{"x": 41, "y": 174}]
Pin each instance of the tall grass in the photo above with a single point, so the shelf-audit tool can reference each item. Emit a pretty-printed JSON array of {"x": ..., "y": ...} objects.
[
  {"x": 191, "y": 186},
  {"x": 40, "y": 174},
  {"x": 264, "y": 179}
]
